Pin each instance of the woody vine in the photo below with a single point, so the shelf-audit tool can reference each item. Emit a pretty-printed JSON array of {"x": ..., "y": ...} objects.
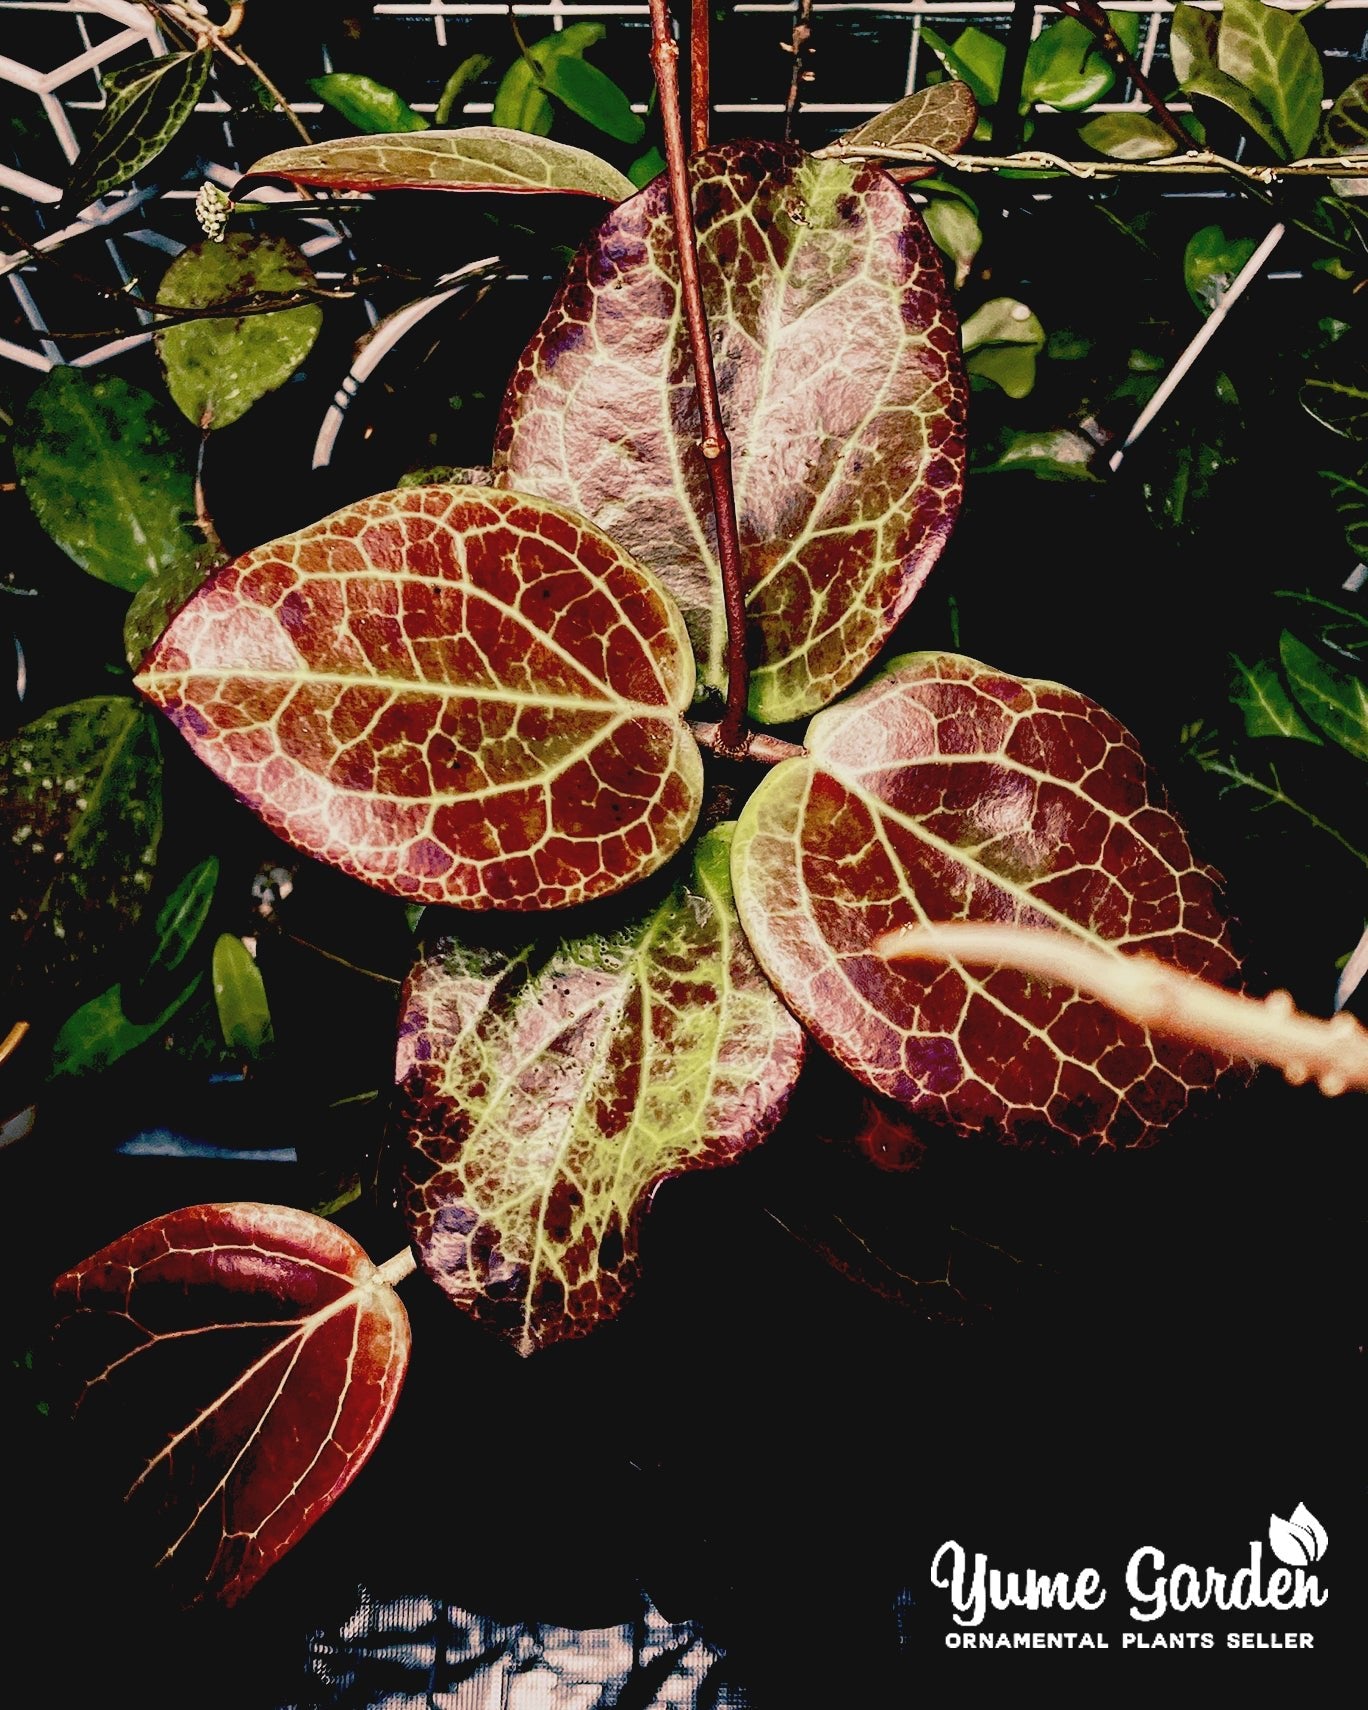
[{"x": 489, "y": 695}]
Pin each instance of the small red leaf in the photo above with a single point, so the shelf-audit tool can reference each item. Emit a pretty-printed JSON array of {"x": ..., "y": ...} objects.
[
  {"x": 944, "y": 791},
  {"x": 454, "y": 694},
  {"x": 236, "y": 1365}
]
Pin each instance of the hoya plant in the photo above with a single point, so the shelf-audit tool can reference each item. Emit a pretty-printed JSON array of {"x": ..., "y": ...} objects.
[{"x": 614, "y": 720}]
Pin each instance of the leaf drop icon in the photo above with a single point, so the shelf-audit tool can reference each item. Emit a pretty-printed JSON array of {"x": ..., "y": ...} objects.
[{"x": 1300, "y": 1540}]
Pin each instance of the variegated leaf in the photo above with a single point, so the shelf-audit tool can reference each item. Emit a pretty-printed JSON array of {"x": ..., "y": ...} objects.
[
  {"x": 946, "y": 790},
  {"x": 550, "y": 1088},
  {"x": 839, "y": 372},
  {"x": 455, "y": 694},
  {"x": 234, "y": 1366}
]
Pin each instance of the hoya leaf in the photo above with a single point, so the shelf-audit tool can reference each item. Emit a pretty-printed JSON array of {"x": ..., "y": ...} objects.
[
  {"x": 108, "y": 476},
  {"x": 372, "y": 107},
  {"x": 1268, "y": 52},
  {"x": 520, "y": 103},
  {"x": 1264, "y": 704},
  {"x": 956, "y": 231},
  {"x": 234, "y": 1366},
  {"x": 1335, "y": 701},
  {"x": 1065, "y": 67},
  {"x": 1052, "y": 454},
  {"x": 82, "y": 814},
  {"x": 1192, "y": 41},
  {"x": 479, "y": 157},
  {"x": 976, "y": 58},
  {"x": 646, "y": 167},
  {"x": 942, "y": 117},
  {"x": 549, "y": 1089},
  {"x": 1344, "y": 129},
  {"x": 455, "y": 694},
  {"x": 217, "y": 368},
  {"x": 145, "y": 106},
  {"x": 101, "y": 1031},
  {"x": 1211, "y": 264},
  {"x": 176, "y": 930},
  {"x": 470, "y": 70},
  {"x": 593, "y": 96},
  {"x": 1127, "y": 136},
  {"x": 1001, "y": 341},
  {"x": 946, "y": 790},
  {"x": 161, "y": 597},
  {"x": 841, "y": 388},
  {"x": 240, "y": 997}
]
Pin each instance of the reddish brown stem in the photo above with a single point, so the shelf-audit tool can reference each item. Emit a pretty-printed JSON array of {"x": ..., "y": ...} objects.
[
  {"x": 1090, "y": 13},
  {"x": 714, "y": 445},
  {"x": 800, "y": 46},
  {"x": 756, "y": 745},
  {"x": 700, "y": 73}
]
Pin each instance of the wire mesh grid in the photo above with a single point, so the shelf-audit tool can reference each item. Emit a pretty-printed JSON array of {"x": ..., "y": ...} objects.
[{"x": 53, "y": 52}]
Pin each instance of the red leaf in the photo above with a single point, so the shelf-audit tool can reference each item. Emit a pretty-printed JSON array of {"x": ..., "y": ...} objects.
[
  {"x": 236, "y": 1364},
  {"x": 457, "y": 695},
  {"x": 945, "y": 791},
  {"x": 839, "y": 375}
]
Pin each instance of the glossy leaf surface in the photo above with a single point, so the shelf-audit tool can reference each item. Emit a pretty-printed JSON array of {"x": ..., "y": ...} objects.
[
  {"x": 975, "y": 57},
  {"x": 234, "y": 1365},
  {"x": 374, "y": 108},
  {"x": 520, "y": 103},
  {"x": 1264, "y": 703},
  {"x": 240, "y": 997},
  {"x": 1268, "y": 52},
  {"x": 1345, "y": 126},
  {"x": 1127, "y": 136},
  {"x": 593, "y": 96},
  {"x": 942, "y": 117},
  {"x": 107, "y": 475},
  {"x": 841, "y": 388},
  {"x": 1212, "y": 263},
  {"x": 550, "y": 1089},
  {"x": 217, "y": 368},
  {"x": 82, "y": 813},
  {"x": 943, "y": 791},
  {"x": 145, "y": 106},
  {"x": 1193, "y": 43},
  {"x": 455, "y": 694},
  {"x": 1065, "y": 66},
  {"x": 479, "y": 157}
]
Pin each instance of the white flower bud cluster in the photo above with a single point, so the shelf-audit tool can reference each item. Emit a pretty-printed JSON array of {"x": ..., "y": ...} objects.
[{"x": 212, "y": 208}]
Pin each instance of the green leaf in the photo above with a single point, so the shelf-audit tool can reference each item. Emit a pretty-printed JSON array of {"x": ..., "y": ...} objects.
[
  {"x": 976, "y": 58},
  {"x": 1051, "y": 454},
  {"x": 1268, "y": 52},
  {"x": 1344, "y": 129},
  {"x": 240, "y": 997},
  {"x": 1211, "y": 264},
  {"x": 941, "y": 117},
  {"x": 955, "y": 228},
  {"x": 180, "y": 921},
  {"x": 1351, "y": 501},
  {"x": 1001, "y": 339},
  {"x": 519, "y": 102},
  {"x": 1192, "y": 41},
  {"x": 479, "y": 157},
  {"x": 161, "y": 597},
  {"x": 99, "y": 1033},
  {"x": 592, "y": 95},
  {"x": 469, "y": 71},
  {"x": 1065, "y": 67},
  {"x": 370, "y": 106},
  {"x": 82, "y": 795},
  {"x": 145, "y": 106},
  {"x": 1265, "y": 705},
  {"x": 548, "y": 1088},
  {"x": 107, "y": 476},
  {"x": 1127, "y": 136},
  {"x": 646, "y": 167},
  {"x": 216, "y": 369},
  {"x": 1334, "y": 701}
]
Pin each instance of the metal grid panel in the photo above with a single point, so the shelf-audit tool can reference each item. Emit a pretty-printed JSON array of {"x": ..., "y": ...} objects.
[{"x": 52, "y": 53}]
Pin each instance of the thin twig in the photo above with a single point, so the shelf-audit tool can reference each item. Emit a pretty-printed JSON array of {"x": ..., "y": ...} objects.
[
  {"x": 700, "y": 73},
  {"x": 1197, "y": 161},
  {"x": 395, "y": 1269},
  {"x": 1158, "y": 997},
  {"x": 715, "y": 445},
  {"x": 204, "y": 519},
  {"x": 799, "y": 45}
]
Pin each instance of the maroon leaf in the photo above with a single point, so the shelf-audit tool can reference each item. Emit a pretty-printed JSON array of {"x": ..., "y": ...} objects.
[
  {"x": 946, "y": 791},
  {"x": 457, "y": 695},
  {"x": 551, "y": 1088},
  {"x": 236, "y": 1365},
  {"x": 839, "y": 375}
]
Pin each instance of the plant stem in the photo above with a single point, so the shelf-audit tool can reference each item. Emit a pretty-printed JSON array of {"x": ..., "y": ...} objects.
[
  {"x": 800, "y": 46},
  {"x": 1007, "y": 114},
  {"x": 1200, "y": 162},
  {"x": 1089, "y": 12},
  {"x": 1159, "y": 997},
  {"x": 204, "y": 520},
  {"x": 757, "y": 745},
  {"x": 700, "y": 73},
  {"x": 715, "y": 446},
  {"x": 395, "y": 1269}
]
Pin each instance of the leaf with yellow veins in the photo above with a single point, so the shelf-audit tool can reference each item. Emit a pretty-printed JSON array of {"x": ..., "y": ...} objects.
[
  {"x": 947, "y": 791},
  {"x": 456, "y": 695},
  {"x": 548, "y": 1092}
]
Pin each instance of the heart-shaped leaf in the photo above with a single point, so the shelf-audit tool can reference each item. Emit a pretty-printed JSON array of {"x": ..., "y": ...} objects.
[
  {"x": 455, "y": 694},
  {"x": 841, "y": 387},
  {"x": 479, "y": 157},
  {"x": 145, "y": 106},
  {"x": 1268, "y": 52},
  {"x": 942, "y": 117},
  {"x": 82, "y": 794},
  {"x": 945, "y": 791},
  {"x": 234, "y": 1366},
  {"x": 216, "y": 369},
  {"x": 551, "y": 1088},
  {"x": 1212, "y": 263},
  {"x": 108, "y": 476},
  {"x": 1066, "y": 67}
]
